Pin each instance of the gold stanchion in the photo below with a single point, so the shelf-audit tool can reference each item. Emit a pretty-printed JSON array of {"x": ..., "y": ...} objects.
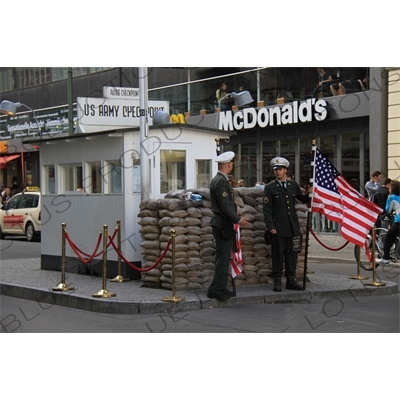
[
  {"x": 119, "y": 278},
  {"x": 104, "y": 293},
  {"x": 173, "y": 298},
  {"x": 359, "y": 277},
  {"x": 374, "y": 282},
  {"x": 62, "y": 286}
]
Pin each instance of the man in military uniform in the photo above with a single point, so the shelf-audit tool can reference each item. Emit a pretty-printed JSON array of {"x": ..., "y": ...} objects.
[
  {"x": 224, "y": 208},
  {"x": 282, "y": 223}
]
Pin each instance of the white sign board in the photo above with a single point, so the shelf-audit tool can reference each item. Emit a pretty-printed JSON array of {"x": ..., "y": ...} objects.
[
  {"x": 95, "y": 114},
  {"x": 112, "y": 92}
]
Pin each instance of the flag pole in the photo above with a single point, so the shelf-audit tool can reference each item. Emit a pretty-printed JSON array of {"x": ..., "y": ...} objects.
[{"x": 309, "y": 216}]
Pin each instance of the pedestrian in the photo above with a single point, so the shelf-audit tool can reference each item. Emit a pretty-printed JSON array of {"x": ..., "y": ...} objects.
[
  {"x": 225, "y": 216},
  {"x": 380, "y": 198},
  {"x": 392, "y": 207},
  {"x": 5, "y": 195},
  {"x": 282, "y": 223},
  {"x": 373, "y": 185}
]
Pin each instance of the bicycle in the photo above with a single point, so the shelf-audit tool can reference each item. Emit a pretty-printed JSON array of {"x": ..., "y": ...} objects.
[{"x": 380, "y": 234}]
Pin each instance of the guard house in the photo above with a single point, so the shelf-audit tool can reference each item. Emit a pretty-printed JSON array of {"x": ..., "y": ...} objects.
[{"x": 93, "y": 179}]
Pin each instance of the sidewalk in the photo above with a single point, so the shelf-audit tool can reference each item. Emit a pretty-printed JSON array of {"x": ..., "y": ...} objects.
[
  {"x": 23, "y": 278},
  {"x": 322, "y": 252}
]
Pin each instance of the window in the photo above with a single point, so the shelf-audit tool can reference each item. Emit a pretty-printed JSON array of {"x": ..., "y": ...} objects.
[
  {"x": 246, "y": 165},
  {"x": 58, "y": 74},
  {"x": 112, "y": 177},
  {"x": 73, "y": 178},
  {"x": 203, "y": 173},
  {"x": 12, "y": 204},
  {"x": 137, "y": 181},
  {"x": 172, "y": 169},
  {"x": 27, "y": 201},
  {"x": 6, "y": 80},
  {"x": 49, "y": 183},
  {"x": 93, "y": 182},
  {"x": 33, "y": 76}
]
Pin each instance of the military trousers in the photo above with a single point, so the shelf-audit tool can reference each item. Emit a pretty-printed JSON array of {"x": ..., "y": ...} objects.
[
  {"x": 281, "y": 255},
  {"x": 221, "y": 263}
]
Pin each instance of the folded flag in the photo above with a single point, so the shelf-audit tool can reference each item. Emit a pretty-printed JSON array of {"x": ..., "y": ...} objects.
[{"x": 236, "y": 258}]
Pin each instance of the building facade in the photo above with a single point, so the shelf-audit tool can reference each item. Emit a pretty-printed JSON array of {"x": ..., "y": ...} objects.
[{"x": 357, "y": 131}]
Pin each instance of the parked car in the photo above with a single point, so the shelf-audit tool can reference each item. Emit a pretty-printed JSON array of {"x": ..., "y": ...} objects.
[{"x": 20, "y": 216}]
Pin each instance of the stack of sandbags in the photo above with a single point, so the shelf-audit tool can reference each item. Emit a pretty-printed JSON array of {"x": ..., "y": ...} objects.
[{"x": 194, "y": 241}]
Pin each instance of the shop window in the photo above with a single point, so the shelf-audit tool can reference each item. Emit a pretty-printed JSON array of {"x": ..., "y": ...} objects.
[
  {"x": 246, "y": 164},
  {"x": 269, "y": 151},
  {"x": 353, "y": 167},
  {"x": 172, "y": 170},
  {"x": 203, "y": 173}
]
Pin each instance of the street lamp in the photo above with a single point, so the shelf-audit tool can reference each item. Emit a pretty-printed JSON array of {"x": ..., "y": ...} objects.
[{"x": 9, "y": 108}]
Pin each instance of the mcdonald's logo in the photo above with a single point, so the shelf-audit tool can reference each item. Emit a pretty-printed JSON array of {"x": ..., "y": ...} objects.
[{"x": 177, "y": 119}]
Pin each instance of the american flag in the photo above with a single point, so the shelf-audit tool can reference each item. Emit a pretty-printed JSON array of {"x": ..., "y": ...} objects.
[
  {"x": 236, "y": 256},
  {"x": 335, "y": 198}
]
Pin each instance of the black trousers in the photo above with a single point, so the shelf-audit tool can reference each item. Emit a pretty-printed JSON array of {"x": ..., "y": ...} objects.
[
  {"x": 222, "y": 262},
  {"x": 280, "y": 247},
  {"x": 390, "y": 238}
]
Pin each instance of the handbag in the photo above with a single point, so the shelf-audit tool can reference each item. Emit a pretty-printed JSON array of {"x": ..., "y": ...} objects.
[{"x": 227, "y": 231}]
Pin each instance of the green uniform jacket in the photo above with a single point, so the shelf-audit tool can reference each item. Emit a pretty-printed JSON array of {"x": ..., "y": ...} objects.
[
  {"x": 279, "y": 208},
  {"x": 222, "y": 201}
]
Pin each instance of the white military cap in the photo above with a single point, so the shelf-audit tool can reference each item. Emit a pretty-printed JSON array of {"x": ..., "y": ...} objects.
[
  {"x": 225, "y": 158},
  {"x": 279, "y": 162}
]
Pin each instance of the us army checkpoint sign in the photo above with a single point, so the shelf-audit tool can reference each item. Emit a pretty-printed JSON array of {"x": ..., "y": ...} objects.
[{"x": 101, "y": 113}]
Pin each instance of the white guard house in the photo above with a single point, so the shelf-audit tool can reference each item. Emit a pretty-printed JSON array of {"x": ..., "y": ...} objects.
[{"x": 89, "y": 180}]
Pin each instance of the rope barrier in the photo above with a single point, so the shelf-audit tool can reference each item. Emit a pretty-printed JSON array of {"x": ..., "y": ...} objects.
[
  {"x": 134, "y": 266},
  {"x": 78, "y": 252},
  {"x": 322, "y": 244},
  {"x": 74, "y": 246}
]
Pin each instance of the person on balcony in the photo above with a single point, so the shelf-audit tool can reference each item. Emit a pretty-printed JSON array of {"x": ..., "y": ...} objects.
[
  {"x": 220, "y": 94},
  {"x": 324, "y": 78}
]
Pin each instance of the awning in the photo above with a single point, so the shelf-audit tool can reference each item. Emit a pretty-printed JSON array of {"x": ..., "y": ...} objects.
[{"x": 5, "y": 159}]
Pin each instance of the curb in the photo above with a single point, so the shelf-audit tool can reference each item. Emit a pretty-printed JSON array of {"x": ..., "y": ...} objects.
[{"x": 197, "y": 299}]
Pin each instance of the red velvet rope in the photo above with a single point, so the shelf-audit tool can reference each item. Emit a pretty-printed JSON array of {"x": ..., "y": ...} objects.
[
  {"x": 134, "y": 266},
  {"x": 76, "y": 249},
  {"x": 78, "y": 252},
  {"x": 329, "y": 248}
]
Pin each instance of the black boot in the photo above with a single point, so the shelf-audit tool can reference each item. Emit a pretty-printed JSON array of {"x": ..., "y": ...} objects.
[
  {"x": 291, "y": 284},
  {"x": 277, "y": 285}
]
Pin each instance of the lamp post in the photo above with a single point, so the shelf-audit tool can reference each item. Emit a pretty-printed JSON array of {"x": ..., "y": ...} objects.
[
  {"x": 9, "y": 108},
  {"x": 144, "y": 164}
]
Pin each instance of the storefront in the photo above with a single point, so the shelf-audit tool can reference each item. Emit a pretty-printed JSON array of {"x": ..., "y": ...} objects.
[{"x": 339, "y": 125}]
